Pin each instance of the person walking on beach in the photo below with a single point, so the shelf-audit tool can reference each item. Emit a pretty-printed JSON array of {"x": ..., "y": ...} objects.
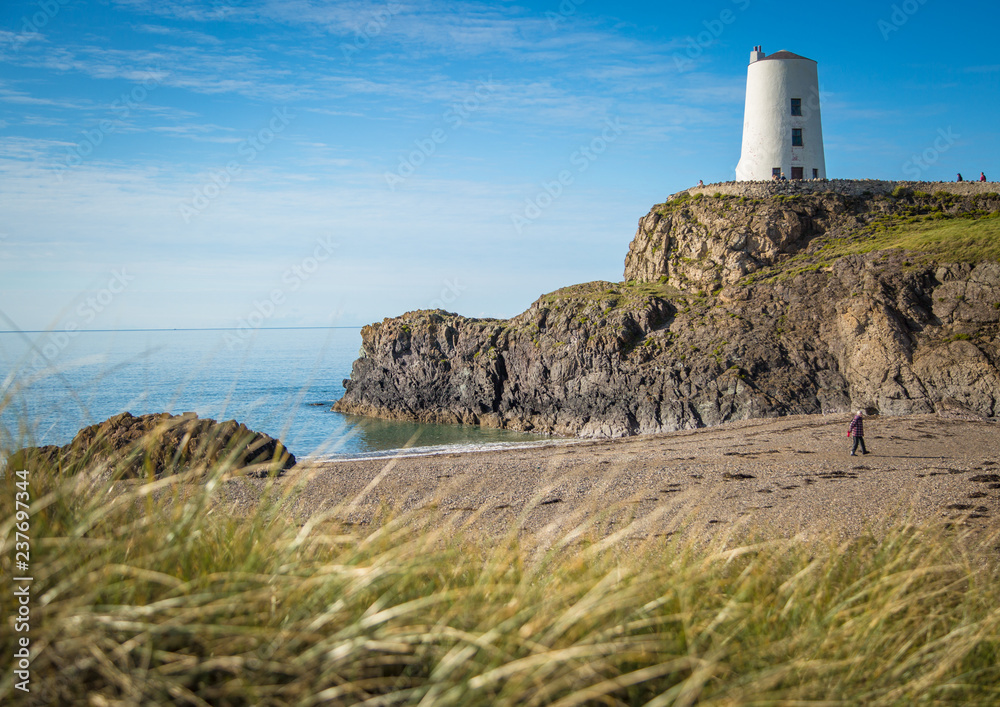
[{"x": 857, "y": 430}]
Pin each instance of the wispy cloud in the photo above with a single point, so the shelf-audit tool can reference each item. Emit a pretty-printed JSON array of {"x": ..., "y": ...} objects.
[
  {"x": 178, "y": 34},
  {"x": 198, "y": 69},
  {"x": 370, "y": 83},
  {"x": 989, "y": 69},
  {"x": 41, "y": 121},
  {"x": 9, "y": 95},
  {"x": 395, "y": 81},
  {"x": 38, "y": 151},
  {"x": 199, "y": 132},
  {"x": 194, "y": 11}
]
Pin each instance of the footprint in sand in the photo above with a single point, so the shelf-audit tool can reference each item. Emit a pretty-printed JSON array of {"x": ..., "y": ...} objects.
[{"x": 986, "y": 478}]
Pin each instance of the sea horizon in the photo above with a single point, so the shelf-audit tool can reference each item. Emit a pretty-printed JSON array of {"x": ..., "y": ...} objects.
[
  {"x": 284, "y": 386},
  {"x": 142, "y": 329}
]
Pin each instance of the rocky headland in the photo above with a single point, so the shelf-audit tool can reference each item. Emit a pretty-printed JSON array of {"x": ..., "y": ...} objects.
[
  {"x": 137, "y": 447},
  {"x": 739, "y": 301}
]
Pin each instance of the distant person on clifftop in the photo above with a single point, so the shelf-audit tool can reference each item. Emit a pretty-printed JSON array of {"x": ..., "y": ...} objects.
[
  {"x": 783, "y": 177},
  {"x": 701, "y": 183},
  {"x": 982, "y": 176},
  {"x": 959, "y": 178},
  {"x": 857, "y": 430}
]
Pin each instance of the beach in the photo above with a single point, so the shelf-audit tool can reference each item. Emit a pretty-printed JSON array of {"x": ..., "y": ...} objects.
[{"x": 764, "y": 478}]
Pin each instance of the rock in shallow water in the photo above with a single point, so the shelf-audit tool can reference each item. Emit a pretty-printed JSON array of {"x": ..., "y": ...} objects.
[{"x": 137, "y": 447}]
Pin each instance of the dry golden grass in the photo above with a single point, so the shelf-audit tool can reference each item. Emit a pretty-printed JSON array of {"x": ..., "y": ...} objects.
[{"x": 153, "y": 594}]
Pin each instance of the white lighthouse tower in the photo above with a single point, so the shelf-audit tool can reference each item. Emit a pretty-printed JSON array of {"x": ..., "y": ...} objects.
[{"x": 782, "y": 130}]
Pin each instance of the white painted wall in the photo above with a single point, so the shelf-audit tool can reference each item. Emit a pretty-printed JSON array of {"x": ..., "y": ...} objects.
[{"x": 768, "y": 121}]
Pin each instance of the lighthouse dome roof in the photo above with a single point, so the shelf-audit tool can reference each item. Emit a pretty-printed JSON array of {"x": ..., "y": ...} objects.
[{"x": 784, "y": 54}]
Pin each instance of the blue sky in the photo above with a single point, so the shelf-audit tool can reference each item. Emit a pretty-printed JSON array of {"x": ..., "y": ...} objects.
[{"x": 224, "y": 163}]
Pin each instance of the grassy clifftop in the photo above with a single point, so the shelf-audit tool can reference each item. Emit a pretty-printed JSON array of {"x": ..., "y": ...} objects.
[
  {"x": 925, "y": 233},
  {"x": 701, "y": 241}
]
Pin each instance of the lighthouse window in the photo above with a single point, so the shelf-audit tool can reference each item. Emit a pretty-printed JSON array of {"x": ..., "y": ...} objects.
[
  {"x": 796, "y": 137},
  {"x": 796, "y": 106}
]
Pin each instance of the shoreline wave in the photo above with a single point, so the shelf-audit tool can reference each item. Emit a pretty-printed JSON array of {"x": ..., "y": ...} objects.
[{"x": 437, "y": 450}]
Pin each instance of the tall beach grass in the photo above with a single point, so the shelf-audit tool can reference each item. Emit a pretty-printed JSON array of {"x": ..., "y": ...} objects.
[{"x": 154, "y": 592}]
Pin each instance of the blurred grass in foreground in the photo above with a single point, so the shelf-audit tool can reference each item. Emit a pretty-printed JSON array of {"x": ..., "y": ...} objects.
[{"x": 154, "y": 594}]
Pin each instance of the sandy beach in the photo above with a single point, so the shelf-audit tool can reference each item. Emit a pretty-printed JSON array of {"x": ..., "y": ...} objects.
[{"x": 771, "y": 477}]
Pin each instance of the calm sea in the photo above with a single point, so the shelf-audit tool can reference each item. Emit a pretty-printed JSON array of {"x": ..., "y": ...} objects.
[{"x": 279, "y": 381}]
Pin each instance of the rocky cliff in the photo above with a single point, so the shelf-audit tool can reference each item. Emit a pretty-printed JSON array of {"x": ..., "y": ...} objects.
[{"x": 732, "y": 307}]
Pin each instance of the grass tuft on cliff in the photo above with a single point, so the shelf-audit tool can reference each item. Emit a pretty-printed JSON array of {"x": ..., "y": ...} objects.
[{"x": 167, "y": 598}]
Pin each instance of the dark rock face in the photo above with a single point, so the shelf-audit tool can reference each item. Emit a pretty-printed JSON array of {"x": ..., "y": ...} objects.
[
  {"x": 696, "y": 338},
  {"x": 135, "y": 447}
]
